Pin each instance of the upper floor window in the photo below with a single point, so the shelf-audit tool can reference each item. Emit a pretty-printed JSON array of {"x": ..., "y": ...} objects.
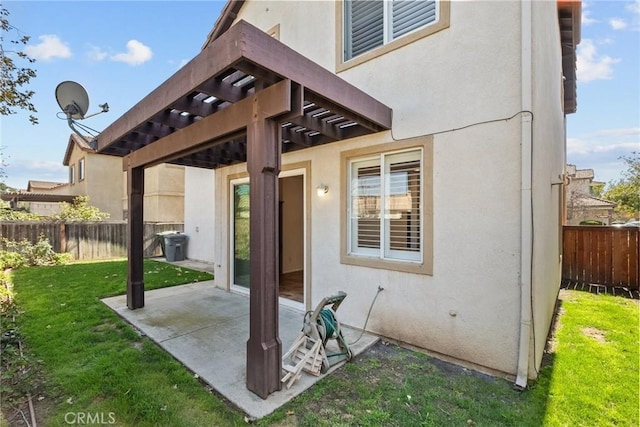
[
  {"x": 81, "y": 169},
  {"x": 369, "y": 28},
  {"x": 373, "y": 23},
  {"x": 72, "y": 174}
]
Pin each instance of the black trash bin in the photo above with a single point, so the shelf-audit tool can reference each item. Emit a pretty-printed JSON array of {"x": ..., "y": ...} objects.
[{"x": 175, "y": 247}]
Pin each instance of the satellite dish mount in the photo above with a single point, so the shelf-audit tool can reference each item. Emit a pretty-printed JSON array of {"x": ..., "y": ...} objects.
[{"x": 74, "y": 102}]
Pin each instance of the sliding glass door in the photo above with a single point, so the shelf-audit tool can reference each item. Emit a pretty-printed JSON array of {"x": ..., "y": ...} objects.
[{"x": 240, "y": 224}]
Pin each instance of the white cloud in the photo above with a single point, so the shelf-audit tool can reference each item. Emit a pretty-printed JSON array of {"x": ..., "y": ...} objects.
[
  {"x": 579, "y": 146},
  {"x": 94, "y": 53},
  {"x": 634, "y": 7},
  {"x": 617, "y": 23},
  {"x": 602, "y": 150},
  {"x": 605, "y": 140},
  {"x": 50, "y": 47},
  {"x": 592, "y": 66},
  {"x": 136, "y": 54},
  {"x": 586, "y": 19},
  {"x": 619, "y": 132}
]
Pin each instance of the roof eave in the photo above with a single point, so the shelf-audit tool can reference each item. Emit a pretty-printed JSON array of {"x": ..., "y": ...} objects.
[{"x": 569, "y": 16}]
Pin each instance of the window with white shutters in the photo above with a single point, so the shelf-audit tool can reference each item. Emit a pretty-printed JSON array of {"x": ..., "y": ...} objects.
[
  {"x": 373, "y": 23},
  {"x": 385, "y": 199}
]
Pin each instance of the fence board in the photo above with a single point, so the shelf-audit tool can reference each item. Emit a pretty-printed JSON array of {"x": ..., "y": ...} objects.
[
  {"x": 601, "y": 255},
  {"x": 86, "y": 240}
]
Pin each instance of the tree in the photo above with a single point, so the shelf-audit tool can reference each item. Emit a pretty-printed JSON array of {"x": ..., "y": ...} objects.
[
  {"x": 3, "y": 174},
  {"x": 13, "y": 77},
  {"x": 597, "y": 189},
  {"x": 626, "y": 191},
  {"x": 80, "y": 210}
]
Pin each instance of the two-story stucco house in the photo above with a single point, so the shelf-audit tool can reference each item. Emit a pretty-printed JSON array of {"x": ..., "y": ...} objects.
[
  {"x": 415, "y": 146},
  {"x": 581, "y": 204},
  {"x": 101, "y": 178}
]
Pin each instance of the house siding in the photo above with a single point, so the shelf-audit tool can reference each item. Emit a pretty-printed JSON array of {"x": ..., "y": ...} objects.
[
  {"x": 200, "y": 221},
  {"x": 549, "y": 158},
  {"x": 102, "y": 181},
  {"x": 463, "y": 86}
]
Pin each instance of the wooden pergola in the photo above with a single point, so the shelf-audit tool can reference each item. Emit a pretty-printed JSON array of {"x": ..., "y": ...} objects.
[{"x": 245, "y": 98}]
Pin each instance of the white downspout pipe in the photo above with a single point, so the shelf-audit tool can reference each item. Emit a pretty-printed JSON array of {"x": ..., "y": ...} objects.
[{"x": 526, "y": 208}]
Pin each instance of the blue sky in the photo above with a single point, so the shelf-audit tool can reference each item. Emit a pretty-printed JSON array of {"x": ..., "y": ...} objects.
[{"x": 121, "y": 50}]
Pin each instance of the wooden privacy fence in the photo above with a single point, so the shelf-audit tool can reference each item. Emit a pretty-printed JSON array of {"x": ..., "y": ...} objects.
[
  {"x": 601, "y": 255},
  {"x": 86, "y": 240}
]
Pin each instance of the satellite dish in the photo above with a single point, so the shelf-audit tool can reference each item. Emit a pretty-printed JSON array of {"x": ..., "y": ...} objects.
[
  {"x": 74, "y": 102},
  {"x": 72, "y": 99}
]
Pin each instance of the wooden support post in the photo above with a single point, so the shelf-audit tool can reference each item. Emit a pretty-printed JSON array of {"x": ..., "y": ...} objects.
[
  {"x": 135, "y": 238},
  {"x": 264, "y": 349}
]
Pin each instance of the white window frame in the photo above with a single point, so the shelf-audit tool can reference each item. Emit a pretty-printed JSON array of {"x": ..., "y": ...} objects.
[
  {"x": 384, "y": 252},
  {"x": 72, "y": 174},
  {"x": 81, "y": 171}
]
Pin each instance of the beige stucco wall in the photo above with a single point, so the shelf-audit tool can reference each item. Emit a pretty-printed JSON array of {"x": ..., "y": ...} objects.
[
  {"x": 102, "y": 182},
  {"x": 463, "y": 86},
  {"x": 47, "y": 208},
  {"x": 549, "y": 159},
  {"x": 199, "y": 218},
  {"x": 471, "y": 277},
  {"x": 163, "y": 193}
]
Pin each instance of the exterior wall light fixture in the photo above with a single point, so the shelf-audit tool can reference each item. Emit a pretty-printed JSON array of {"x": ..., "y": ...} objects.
[{"x": 322, "y": 190}]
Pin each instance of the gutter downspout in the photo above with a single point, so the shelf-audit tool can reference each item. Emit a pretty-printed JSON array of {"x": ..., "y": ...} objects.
[{"x": 526, "y": 208}]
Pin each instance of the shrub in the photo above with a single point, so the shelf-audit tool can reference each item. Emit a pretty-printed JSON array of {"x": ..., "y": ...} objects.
[
  {"x": 80, "y": 210},
  {"x": 41, "y": 253},
  {"x": 6, "y": 292},
  {"x": 17, "y": 215},
  {"x": 10, "y": 260}
]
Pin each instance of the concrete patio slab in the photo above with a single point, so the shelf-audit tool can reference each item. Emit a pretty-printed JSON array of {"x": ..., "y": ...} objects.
[{"x": 207, "y": 328}]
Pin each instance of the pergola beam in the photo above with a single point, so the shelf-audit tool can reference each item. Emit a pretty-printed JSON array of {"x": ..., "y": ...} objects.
[
  {"x": 269, "y": 53},
  {"x": 210, "y": 62},
  {"x": 272, "y": 101}
]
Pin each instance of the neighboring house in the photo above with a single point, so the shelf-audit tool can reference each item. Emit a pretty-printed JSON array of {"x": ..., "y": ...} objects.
[
  {"x": 581, "y": 204},
  {"x": 94, "y": 175},
  {"x": 41, "y": 197},
  {"x": 417, "y": 147},
  {"x": 163, "y": 193},
  {"x": 100, "y": 177}
]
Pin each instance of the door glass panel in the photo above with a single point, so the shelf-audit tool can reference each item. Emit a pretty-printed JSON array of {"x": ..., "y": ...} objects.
[{"x": 241, "y": 235}]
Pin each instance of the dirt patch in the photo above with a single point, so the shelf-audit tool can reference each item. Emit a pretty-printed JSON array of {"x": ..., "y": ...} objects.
[
  {"x": 379, "y": 374},
  {"x": 595, "y": 333},
  {"x": 19, "y": 413}
]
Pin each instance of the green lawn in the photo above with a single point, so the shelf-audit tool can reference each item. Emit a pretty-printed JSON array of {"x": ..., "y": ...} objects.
[
  {"x": 94, "y": 363},
  {"x": 85, "y": 359},
  {"x": 594, "y": 379}
]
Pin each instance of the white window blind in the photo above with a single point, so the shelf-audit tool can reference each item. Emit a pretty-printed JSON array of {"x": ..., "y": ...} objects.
[
  {"x": 385, "y": 206},
  {"x": 409, "y": 15},
  {"x": 373, "y": 23},
  {"x": 365, "y": 23}
]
